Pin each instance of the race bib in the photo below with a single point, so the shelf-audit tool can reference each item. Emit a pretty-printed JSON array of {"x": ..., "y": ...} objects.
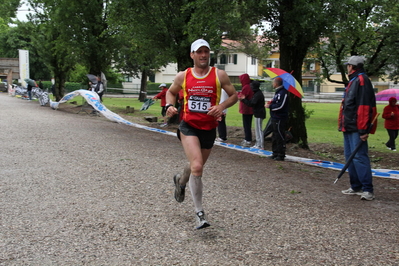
[{"x": 199, "y": 104}]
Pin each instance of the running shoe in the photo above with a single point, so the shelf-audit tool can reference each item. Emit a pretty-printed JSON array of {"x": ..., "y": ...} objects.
[
  {"x": 257, "y": 147},
  {"x": 367, "y": 196},
  {"x": 179, "y": 189},
  {"x": 350, "y": 191},
  {"x": 245, "y": 143},
  {"x": 201, "y": 220}
]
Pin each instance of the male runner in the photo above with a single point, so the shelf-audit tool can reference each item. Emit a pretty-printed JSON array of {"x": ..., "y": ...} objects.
[{"x": 201, "y": 87}]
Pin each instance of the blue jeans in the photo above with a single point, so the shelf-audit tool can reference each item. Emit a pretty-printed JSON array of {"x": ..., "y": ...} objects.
[
  {"x": 30, "y": 95},
  {"x": 360, "y": 169}
]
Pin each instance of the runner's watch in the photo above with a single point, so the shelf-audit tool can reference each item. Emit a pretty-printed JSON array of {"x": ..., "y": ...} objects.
[{"x": 167, "y": 106}]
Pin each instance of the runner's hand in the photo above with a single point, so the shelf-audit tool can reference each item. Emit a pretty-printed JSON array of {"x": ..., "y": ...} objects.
[
  {"x": 216, "y": 111},
  {"x": 171, "y": 111}
]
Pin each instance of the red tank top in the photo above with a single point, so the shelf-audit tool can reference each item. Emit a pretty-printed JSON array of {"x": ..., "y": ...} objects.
[{"x": 200, "y": 93}]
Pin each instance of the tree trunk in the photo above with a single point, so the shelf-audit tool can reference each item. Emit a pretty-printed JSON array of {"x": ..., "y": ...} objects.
[
  {"x": 143, "y": 86},
  {"x": 60, "y": 80},
  {"x": 291, "y": 60}
]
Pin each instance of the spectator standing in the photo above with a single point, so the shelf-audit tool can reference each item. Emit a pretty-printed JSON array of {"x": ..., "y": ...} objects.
[
  {"x": 257, "y": 102},
  {"x": 279, "y": 116},
  {"x": 53, "y": 90},
  {"x": 245, "y": 110},
  {"x": 41, "y": 84},
  {"x": 99, "y": 88},
  {"x": 29, "y": 89},
  {"x": 358, "y": 108},
  {"x": 162, "y": 95},
  {"x": 391, "y": 116},
  {"x": 222, "y": 129},
  {"x": 201, "y": 112}
]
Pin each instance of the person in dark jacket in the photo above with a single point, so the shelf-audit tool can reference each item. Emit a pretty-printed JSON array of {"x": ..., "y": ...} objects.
[
  {"x": 279, "y": 116},
  {"x": 391, "y": 116},
  {"x": 358, "y": 108},
  {"x": 245, "y": 110},
  {"x": 257, "y": 102},
  {"x": 29, "y": 89},
  {"x": 99, "y": 89}
]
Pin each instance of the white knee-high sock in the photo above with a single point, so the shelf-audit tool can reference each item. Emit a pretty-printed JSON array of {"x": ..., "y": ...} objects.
[{"x": 195, "y": 183}]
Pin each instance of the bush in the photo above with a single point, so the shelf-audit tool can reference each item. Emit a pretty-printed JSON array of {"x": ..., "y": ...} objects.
[{"x": 73, "y": 86}]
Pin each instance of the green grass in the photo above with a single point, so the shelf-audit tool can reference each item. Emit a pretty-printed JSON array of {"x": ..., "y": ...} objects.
[{"x": 321, "y": 126}]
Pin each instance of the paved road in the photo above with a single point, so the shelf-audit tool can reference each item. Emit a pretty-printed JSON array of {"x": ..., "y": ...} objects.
[{"x": 81, "y": 190}]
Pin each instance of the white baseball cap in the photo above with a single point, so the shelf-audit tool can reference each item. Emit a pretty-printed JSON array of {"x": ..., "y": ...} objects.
[
  {"x": 198, "y": 44},
  {"x": 162, "y": 85}
]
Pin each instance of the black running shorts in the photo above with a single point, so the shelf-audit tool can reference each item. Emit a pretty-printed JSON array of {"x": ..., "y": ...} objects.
[{"x": 206, "y": 137}]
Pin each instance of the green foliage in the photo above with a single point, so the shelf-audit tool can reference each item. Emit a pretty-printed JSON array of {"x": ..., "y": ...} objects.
[
  {"x": 73, "y": 86},
  {"x": 367, "y": 28},
  {"x": 308, "y": 112},
  {"x": 47, "y": 85},
  {"x": 20, "y": 37},
  {"x": 8, "y": 10},
  {"x": 78, "y": 74}
]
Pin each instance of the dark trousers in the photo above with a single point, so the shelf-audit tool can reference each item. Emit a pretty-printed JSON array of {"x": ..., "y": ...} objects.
[
  {"x": 222, "y": 130},
  {"x": 278, "y": 137},
  {"x": 393, "y": 134},
  {"x": 247, "y": 124}
]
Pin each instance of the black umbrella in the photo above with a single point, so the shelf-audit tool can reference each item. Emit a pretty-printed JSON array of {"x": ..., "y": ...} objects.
[{"x": 348, "y": 162}]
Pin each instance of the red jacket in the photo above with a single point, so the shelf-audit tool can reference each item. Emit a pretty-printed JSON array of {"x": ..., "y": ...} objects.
[
  {"x": 162, "y": 96},
  {"x": 391, "y": 122},
  {"x": 247, "y": 92},
  {"x": 358, "y": 107}
]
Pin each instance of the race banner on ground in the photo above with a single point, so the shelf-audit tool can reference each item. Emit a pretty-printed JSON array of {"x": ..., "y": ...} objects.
[{"x": 93, "y": 99}]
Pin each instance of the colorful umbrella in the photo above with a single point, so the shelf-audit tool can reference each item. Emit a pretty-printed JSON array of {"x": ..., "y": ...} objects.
[
  {"x": 289, "y": 82},
  {"x": 386, "y": 94}
]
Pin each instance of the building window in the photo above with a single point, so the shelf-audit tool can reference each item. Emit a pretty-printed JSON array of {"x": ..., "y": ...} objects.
[
  {"x": 223, "y": 59},
  {"x": 232, "y": 59},
  {"x": 268, "y": 63},
  {"x": 128, "y": 78},
  {"x": 253, "y": 61},
  {"x": 228, "y": 59}
]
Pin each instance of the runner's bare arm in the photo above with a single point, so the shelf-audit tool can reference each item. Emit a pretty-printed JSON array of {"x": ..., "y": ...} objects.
[{"x": 224, "y": 79}]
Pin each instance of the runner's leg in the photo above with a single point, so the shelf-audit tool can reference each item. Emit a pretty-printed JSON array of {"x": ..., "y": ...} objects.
[{"x": 197, "y": 158}]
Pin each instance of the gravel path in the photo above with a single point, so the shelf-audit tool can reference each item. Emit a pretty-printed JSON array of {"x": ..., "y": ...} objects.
[{"x": 81, "y": 190}]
